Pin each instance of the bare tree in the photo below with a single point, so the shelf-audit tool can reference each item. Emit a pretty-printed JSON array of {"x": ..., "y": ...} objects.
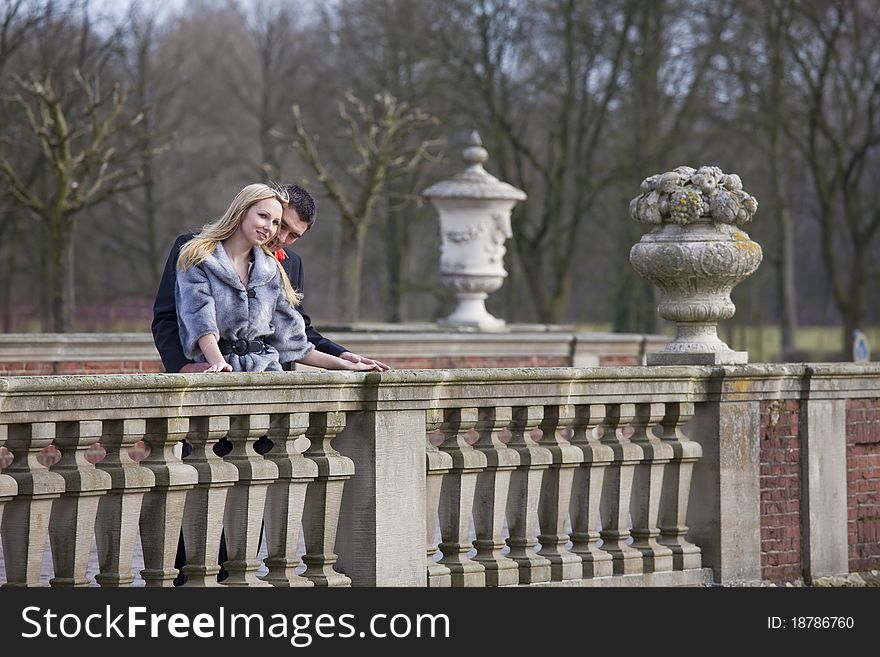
[
  {"x": 387, "y": 138},
  {"x": 543, "y": 78},
  {"x": 834, "y": 49},
  {"x": 775, "y": 110},
  {"x": 85, "y": 166}
]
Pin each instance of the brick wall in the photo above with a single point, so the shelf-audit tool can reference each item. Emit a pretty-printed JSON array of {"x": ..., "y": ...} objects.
[
  {"x": 780, "y": 491},
  {"x": 619, "y": 361},
  {"x": 863, "y": 483}
]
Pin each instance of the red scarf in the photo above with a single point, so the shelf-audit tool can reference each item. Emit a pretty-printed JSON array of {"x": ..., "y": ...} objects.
[{"x": 280, "y": 255}]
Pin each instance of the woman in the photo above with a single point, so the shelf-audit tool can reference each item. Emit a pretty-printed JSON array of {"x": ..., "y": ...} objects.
[{"x": 235, "y": 305}]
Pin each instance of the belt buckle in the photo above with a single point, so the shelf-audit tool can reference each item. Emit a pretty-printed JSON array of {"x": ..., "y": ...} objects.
[{"x": 241, "y": 346}]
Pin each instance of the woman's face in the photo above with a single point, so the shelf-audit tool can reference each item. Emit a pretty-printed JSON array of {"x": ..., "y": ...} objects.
[{"x": 261, "y": 221}]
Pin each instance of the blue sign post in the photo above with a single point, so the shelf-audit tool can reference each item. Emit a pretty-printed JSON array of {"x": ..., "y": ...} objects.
[{"x": 861, "y": 353}]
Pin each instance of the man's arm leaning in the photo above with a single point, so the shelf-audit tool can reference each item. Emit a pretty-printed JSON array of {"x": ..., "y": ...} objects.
[{"x": 166, "y": 334}]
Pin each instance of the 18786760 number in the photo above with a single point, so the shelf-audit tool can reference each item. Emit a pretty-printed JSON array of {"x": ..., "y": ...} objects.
[{"x": 810, "y": 623}]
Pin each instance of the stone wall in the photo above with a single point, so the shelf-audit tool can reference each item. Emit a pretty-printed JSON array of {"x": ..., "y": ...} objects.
[{"x": 413, "y": 346}]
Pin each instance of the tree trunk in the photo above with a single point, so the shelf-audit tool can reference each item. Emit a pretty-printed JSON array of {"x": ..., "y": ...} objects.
[
  {"x": 68, "y": 278},
  {"x": 854, "y": 314},
  {"x": 395, "y": 244},
  {"x": 350, "y": 269},
  {"x": 55, "y": 279},
  {"x": 786, "y": 252}
]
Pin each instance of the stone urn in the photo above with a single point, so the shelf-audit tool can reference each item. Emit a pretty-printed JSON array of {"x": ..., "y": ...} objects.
[
  {"x": 474, "y": 209},
  {"x": 695, "y": 253}
]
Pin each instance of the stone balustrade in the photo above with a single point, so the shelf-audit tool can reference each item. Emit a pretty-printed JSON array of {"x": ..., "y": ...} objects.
[{"x": 552, "y": 477}]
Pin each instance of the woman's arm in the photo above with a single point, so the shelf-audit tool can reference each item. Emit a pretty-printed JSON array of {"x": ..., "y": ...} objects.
[
  {"x": 208, "y": 345},
  {"x": 328, "y": 362}
]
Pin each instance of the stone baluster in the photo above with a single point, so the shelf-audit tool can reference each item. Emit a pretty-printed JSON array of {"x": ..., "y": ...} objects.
[
  {"x": 524, "y": 494},
  {"x": 246, "y": 500},
  {"x": 324, "y": 499},
  {"x": 8, "y": 485},
  {"x": 438, "y": 463},
  {"x": 457, "y": 496},
  {"x": 647, "y": 486},
  {"x": 617, "y": 489},
  {"x": 119, "y": 510},
  {"x": 677, "y": 486},
  {"x": 72, "y": 523},
  {"x": 162, "y": 511},
  {"x": 26, "y": 517},
  {"x": 490, "y": 501},
  {"x": 556, "y": 490},
  {"x": 587, "y": 487},
  {"x": 206, "y": 502},
  {"x": 285, "y": 499}
]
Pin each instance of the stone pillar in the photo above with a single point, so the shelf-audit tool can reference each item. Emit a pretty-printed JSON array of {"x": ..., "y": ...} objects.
[
  {"x": 490, "y": 496},
  {"x": 524, "y": 495},
  {"x": 647, "y": 488},
  {"x": 617, "y": 489},
  {"x": 162, "y": 512},
  {"x": 8, "y": 485},
  {"x": 824, "y": 512},
  {"x": 438, "y": 463},
  {"x": 25, "y": 526},
  {"x": 382, "y": 519},
  {"x": 556, "y": 492},
  {"x": 246, "y": 500},
  {"x": 72, "y": 525},
  {"x": 695, "y": 254},
  {"x": 457, "y": 496},
  {"x": 474, "y": 209},
  {"x": 725, "y": 501},
  {"x": 586, "y": 494},
  {"x": 324, "y": 499},
  {"x": 206, "y": 502},
  {"x": 119, "y": 511},
  {"x": 677, "y": 479},
  {"x": 286, "y": 499}
]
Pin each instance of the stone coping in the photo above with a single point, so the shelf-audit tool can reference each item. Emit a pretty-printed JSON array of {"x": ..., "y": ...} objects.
[
  {"x": 144, "y": 396},
  {"x": 379, "y": 341}
]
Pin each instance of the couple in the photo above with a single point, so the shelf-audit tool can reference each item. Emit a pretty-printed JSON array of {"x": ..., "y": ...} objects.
[{"x": 230, "y": 296}]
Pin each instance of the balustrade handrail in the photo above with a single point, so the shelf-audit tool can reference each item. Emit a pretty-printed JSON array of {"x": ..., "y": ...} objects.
[{"x": 366, "y": 473}]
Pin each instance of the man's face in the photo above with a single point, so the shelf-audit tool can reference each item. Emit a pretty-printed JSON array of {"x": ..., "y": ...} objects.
[{"x": 291, "y": 229}]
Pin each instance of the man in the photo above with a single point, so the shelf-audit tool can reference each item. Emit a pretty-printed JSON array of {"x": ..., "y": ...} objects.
[
  {"x": 295, "y": 221},
  {"x": 299, "y": 217}
]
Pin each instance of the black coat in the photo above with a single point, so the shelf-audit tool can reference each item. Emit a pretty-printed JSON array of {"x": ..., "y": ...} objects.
[{"x": 166, "y": 334}]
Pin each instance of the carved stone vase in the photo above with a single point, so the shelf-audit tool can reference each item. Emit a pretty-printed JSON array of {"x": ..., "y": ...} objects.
[
  {"x": 474, "y": 211},
  {"x": 695, "y": 255}
]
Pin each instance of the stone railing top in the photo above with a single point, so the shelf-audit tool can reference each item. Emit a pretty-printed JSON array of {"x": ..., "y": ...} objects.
[
  {"x": 474, "y": 182},
  {"x": 42, "y": 347},
  {"x": 686, "y": 195},
  {"x": 141, "y": 396}
]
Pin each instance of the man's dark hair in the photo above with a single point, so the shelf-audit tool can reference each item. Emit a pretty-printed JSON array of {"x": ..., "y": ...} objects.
[{"x": 301, "y": 201}]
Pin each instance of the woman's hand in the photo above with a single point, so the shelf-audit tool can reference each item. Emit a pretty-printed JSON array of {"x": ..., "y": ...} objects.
[
  {"x": 220, "y": 366},
  {"x": 362, "y": 366}
]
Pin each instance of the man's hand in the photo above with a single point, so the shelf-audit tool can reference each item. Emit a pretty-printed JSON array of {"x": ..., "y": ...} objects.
[
  {"x": 354, "y": 358},
  {"x": 191, "y": 368}
]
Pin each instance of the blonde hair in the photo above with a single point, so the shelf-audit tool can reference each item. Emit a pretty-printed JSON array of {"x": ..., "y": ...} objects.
[{"x": 205, "y": 243}]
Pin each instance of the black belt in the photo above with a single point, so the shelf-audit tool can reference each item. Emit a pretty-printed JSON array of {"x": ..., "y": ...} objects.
[{"x": 241, "y": 346}]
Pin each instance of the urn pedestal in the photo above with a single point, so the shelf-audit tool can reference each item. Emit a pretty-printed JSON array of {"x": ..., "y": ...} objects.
[
  {"x": 695, "y": 254},
  {"x": 474, "y": 209}
]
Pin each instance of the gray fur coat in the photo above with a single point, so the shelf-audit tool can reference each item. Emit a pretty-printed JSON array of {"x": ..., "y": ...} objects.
[{"x": 211, "y": 298}]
